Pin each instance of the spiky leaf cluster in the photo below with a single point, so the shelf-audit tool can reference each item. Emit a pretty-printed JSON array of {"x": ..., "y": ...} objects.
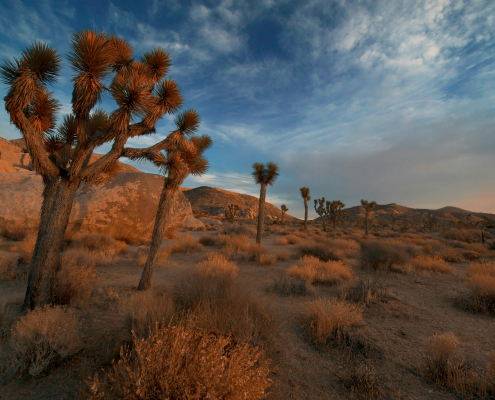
[
  {"x": 265, "y": 174},
  {"x": 305, "y": 193},
  {"x": 231, "y": 212}
]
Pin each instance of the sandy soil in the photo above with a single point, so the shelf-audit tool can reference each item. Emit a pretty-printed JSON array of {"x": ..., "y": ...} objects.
[{"x": 420, "y": 305}]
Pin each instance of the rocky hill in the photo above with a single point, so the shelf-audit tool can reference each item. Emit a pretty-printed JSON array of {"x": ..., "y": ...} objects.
[{"x": 213, "y": 201}]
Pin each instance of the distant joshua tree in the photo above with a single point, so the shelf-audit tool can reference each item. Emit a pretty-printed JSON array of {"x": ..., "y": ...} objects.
[
  {"x": 263, "y": 175},
  {"x": 336, "y": 211},
  {"x": 430, "y": 221},
  {"x": 305, "y": 195},
  {"x": 231, "y": 211},
  {"x": 284, "y": 210},
  {"x": 395, "y": 217},
  {"x": 368, "y": 209},
  {"x": 101, "y": 64},
  {"x": 321, "y": 210},
  {"x": 184, "y": 156}
]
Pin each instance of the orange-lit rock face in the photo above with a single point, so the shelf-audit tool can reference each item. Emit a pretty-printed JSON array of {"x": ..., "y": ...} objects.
[{"x": 123, "y": 207}]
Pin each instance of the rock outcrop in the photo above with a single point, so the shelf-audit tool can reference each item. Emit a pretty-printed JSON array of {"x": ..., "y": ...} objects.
[{"x": 124, "y": 207}]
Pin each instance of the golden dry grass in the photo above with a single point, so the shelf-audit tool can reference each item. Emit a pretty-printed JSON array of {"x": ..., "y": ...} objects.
[
  {"x": 143, "y": 310},
  {"x": 233, "y": 244},
  {"x": 216, "y": 265},
  {"x": 42, "y": 339},
  {"x": 290, "y": 286},
  {"x": 76, "y": 276},
  {"x": 315, "y": 271},
  {"x": 426, "y": 263},
  {"x": 481, "y": 280},
  {"x": 282, "y": 254},
  {"x": 266, "y": 259},
  {"x": 178, "y": 361},
  {"x": 185, "y": 244},
  {"x": 381, "y": 255},
  {"x": 325, "y": 319},
  {"x": 281, "y": 241},
  {"x": 208, "y": 240},
  {"x": 293, "y": 239}
]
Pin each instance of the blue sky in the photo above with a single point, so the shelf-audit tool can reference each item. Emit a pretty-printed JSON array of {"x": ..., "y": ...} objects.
[{"x": 390, "y": 101}]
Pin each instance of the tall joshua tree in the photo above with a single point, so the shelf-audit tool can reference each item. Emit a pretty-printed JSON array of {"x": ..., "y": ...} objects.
[
  {"x": 305, "y": 195},
  {"x": 101, "y": 64},
  {"x": 336, "y": 211},
  {"x": 284, "y": 210},
  {"x": 321, "y": 210},
  {"x": 368, "y": 209},
  {"x": 264, "y": 175},
  {"x": 395, "y": 217},
  {"x": 184, "y": 156}
]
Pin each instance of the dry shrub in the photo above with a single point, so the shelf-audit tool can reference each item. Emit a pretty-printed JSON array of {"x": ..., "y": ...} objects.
[
  {"x": 140, "y": 255},
  {"x": 253, "y": 252},
  {"x": 293, "y": 239},
  {"x": 42, "y": 339},
  {"x": 143, "y": 310},
  {"x": 289, "y": 286},
  {"x": 481, "y": 279},
  {"x": 181, "y": 362},
  {"x": 233, "y": 244},
  {"x": 238, "y": 229},
  {"x": 216, "y": 265},
  {"x": 266, "y": 259},
  {"x": 185, "y": 244},
  {"x": 321, "y": 251},
  {"x": 451, "y": 255},
  {"x": 75, "y": 279},
  {"x": 282, "y": 254},
  {"x": 9, "y": 266},
  {"x": 470, "y": 255},
  {"x": 359, "y": 377},
  {"x": 463, "y": 235},
  {"x": 282, "y": 241},
  {"x": 315, "y": 271},
  {"x": 384, "y": 256},
  {"x": 326, "y": 319},
  {"x": 225, "y": 307},
  {"x": 366, "y": 292},
  {"x": 105, "y": 247},
  {"x": 208, "y": 240},
  {"x": 427, "y": 248},
  {"x": 443, "y": 365},
  {"x": 431, "y": 264},
  {"x": 350, "y": 248},
  {"x": 26, "y": 247}
]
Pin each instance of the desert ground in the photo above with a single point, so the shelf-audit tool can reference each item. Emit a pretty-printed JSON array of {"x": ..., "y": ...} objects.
[{"x": 333, "y": 315}]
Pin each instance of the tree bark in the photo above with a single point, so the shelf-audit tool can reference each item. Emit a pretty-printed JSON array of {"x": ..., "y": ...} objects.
[
  {"x": 58, "y": 199},
  {"x": 305, "y": 214},
  {"x": 162, "y": 214},
  {"x": 366, "y": 223},
  {"x": 261, "y": 213},
  {"x": 283, "y": 218},
  {"x": 323, "y": 219}
]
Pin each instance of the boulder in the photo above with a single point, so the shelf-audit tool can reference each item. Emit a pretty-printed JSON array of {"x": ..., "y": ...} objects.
[
  {"x": 190, "y": 222},
  {"x": 124, "y": 207},
  {"x": 210, "y": 221},
  {"x": 14, "y": 156},
  {"x": 6, "y": 167}
]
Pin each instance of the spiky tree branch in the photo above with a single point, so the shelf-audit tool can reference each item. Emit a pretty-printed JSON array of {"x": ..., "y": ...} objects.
[{"x": 263, "y": 175}]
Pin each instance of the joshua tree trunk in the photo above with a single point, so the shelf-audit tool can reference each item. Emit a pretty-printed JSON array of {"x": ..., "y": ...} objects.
[
  {"x": 366, "y": 223},
  {"x": 305, "y": 214},
  {"x": 323, "y": 219},
  {"x": 59, "y": 198},
  {"x": 283, "y": 218},
  {"x": 261, "y": 213},
  {"x": 162, "y": 215}
]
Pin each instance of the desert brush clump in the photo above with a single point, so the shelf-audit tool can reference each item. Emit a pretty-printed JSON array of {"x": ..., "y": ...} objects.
[
  {"x": 291, "y": 286},
  {"x": 326, "y": 319},
  {"x": 359, "y": 377},
  {"x": 238, "y": 229},
  {"x": 75, "y": 277},
  {"x": 282, "y": 254},
  {"x": 323, "y": 251},
  {"x": 216, "y": 265},
  {"x": 366, "y": 292},
  {"x": 317, "y": 272},
  {"x": 263, "y": 175},
  {"x": 182, "y": 362},
  {"x": 208, "y": 240},
  {"x": 463, "y": 235},
  {"x": 145, "y": 310},
  {"x": 42, "y": 339},
  {"x": 426, "y": 263},
  {"x": 233, "y": 244},
  {"x": 481, "y": 280},
  {"x": 379, "y": 255},
  {"x": 185, "y": 244},
  {"x": 266, "y": 259}
]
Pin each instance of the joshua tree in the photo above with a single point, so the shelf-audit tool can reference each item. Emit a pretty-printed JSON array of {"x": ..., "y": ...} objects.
[
  {"x": 430, "y": 221},
  {"x": 305, "y": 195},
  {"x": 184, "y": 156},
  {"x": 336, "y": 211},
  {"x": 368, "y": 209},
  {"x": 321, "y": 210},
  {"x": 263, "y": 175},
  {"x": 62, "y": 157},
  {"x": 395, "y": 217},
  {"x": 231, "y": 211},
  {"x": 284, "y": 210}
]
